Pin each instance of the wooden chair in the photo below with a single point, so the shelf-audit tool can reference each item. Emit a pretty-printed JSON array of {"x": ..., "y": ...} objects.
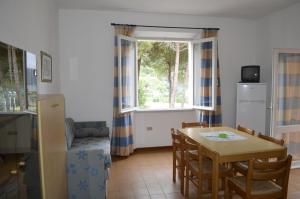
[
  {"x": 193, "y": 124},
  {"x": 176, "y": 149},
  {"x": 264, "y": 180},
  {"x": 199, "y": 170},
  {"x": 271, "y": 139},
  {"x": 246, "y": 130},
  {"x": 242, "y": 167},
  {"x": 178, "y": 158}
]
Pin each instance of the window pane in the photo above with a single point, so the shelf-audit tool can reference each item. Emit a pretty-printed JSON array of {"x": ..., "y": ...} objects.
[
  {"x": 204, "y": 75},
  {"x": 128, "y": 58},
  {"x": 163, "y": 74}
]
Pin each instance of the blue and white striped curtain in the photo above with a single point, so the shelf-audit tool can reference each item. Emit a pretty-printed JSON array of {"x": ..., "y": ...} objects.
[
  {"x": 288, "y": 89},
  {"x": 122, "y": 132},
  {"x": 213, "y": 118}
]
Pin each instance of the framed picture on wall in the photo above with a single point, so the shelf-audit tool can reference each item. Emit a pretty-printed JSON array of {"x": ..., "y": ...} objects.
[{"x": 46, "y": 67}]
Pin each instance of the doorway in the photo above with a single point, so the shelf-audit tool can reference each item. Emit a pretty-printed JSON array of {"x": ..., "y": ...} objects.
[{"x": 286, "y": 100}]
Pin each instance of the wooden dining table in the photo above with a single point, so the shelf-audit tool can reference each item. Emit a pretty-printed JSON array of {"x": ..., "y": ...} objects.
[{"x": 224, "y": 150}]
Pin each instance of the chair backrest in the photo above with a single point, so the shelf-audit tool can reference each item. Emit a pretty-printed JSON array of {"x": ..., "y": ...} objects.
[
  {"x": 176, "y": 138},
  {"x": 193, "y": 124},
  {"x": 265, "y": 171},
  {"x": 246, "y": 130},
  {"x": 271, "y": 139},
  {"x": 194, "y": 151}
]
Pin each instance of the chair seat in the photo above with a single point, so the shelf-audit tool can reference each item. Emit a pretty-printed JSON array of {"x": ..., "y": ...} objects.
[
  {"x": 207, "y": 167},
  {"x": 258, "y": 187},
  {"x": 242, "y": 166}
]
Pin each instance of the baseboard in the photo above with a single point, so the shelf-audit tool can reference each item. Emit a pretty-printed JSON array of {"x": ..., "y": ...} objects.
[{"x": 146, "y": 149}]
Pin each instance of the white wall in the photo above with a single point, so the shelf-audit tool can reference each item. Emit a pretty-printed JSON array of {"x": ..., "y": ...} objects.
[
  {"x": 161, "y": 122},
  {"x": 278, "y": 30},
  {"x": 87, "y": 52},
  {"x": 32, "y": 25}
]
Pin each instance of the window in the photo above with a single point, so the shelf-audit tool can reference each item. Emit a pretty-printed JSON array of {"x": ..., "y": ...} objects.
[
  {"x": 163, "y": 74},
  {"x": 127, "y": 73},
  {"x": 166, "y": 74}
]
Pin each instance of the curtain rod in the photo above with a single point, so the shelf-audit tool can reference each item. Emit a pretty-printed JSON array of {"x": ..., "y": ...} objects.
[{"x": 116, "y": 24}]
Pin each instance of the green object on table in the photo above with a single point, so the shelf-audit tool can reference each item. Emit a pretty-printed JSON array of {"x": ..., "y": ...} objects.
[{"x": 223, "y": 135}]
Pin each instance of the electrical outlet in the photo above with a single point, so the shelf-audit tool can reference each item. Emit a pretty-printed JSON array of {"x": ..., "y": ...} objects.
[{"x": 149, "y": 128}]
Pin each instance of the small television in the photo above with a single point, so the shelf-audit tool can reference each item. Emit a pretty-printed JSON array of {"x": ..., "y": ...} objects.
[{"x": 250, "y": 73}]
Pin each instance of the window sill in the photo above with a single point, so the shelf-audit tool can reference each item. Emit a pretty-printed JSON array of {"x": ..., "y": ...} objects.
[{"x": 164, "y": 110}]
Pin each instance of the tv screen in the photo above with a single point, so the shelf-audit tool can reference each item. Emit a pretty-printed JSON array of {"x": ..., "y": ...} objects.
[{"x": 250, "y": 73}]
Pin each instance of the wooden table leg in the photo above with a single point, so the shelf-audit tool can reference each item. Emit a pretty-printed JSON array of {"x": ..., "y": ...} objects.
[{"x": 215, "y": 177}]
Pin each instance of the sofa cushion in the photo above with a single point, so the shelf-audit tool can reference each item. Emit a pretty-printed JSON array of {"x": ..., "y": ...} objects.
[
  {"x": 91, "y": 132},
  {"x": 69, "y": 131},
  {"x": 92, "y": 143}
]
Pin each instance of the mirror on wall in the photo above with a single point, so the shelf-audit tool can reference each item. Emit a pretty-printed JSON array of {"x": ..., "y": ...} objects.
[{"x": 18, "y": 81}]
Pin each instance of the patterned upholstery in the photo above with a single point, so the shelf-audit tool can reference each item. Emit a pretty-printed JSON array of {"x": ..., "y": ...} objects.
[
  {"x": 88, "y": 162},
  {"x": 94, "y": 143}
]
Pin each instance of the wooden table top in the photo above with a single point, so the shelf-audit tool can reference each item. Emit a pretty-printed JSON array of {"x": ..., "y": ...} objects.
[{"x": 238, "y": 150}]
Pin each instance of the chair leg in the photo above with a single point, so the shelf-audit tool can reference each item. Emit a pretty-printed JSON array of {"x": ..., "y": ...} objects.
[
  {"x": 174, "y": 167},
  {"x": 182, "y": 178},
  {"x": 227, "y": 194},
  {"x": 209, "y": 185},
  {"x": 199, "y": 191},
  {"x": 187, "y": 182},
  {"x": 223, "y": 183}
]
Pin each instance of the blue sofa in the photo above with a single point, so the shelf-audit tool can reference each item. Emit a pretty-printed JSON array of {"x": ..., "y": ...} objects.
[{"x": 88, "y": 159}]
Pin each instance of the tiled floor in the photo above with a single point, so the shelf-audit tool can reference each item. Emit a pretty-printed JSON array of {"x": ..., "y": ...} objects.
[{"x": 148, "y": 174}]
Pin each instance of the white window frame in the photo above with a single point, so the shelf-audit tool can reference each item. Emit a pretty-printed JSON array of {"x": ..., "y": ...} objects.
[
  {"x": 214, "y": 73},
  {"x": 121, "y": 109},
  {"x": 191, "y": 81}
]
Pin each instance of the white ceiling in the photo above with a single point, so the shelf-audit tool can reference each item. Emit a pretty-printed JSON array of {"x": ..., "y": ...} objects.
[{"x": 250, "y": 9}]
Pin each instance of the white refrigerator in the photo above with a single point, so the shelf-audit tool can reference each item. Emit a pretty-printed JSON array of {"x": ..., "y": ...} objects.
[{"x": 251, "y": 106}]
